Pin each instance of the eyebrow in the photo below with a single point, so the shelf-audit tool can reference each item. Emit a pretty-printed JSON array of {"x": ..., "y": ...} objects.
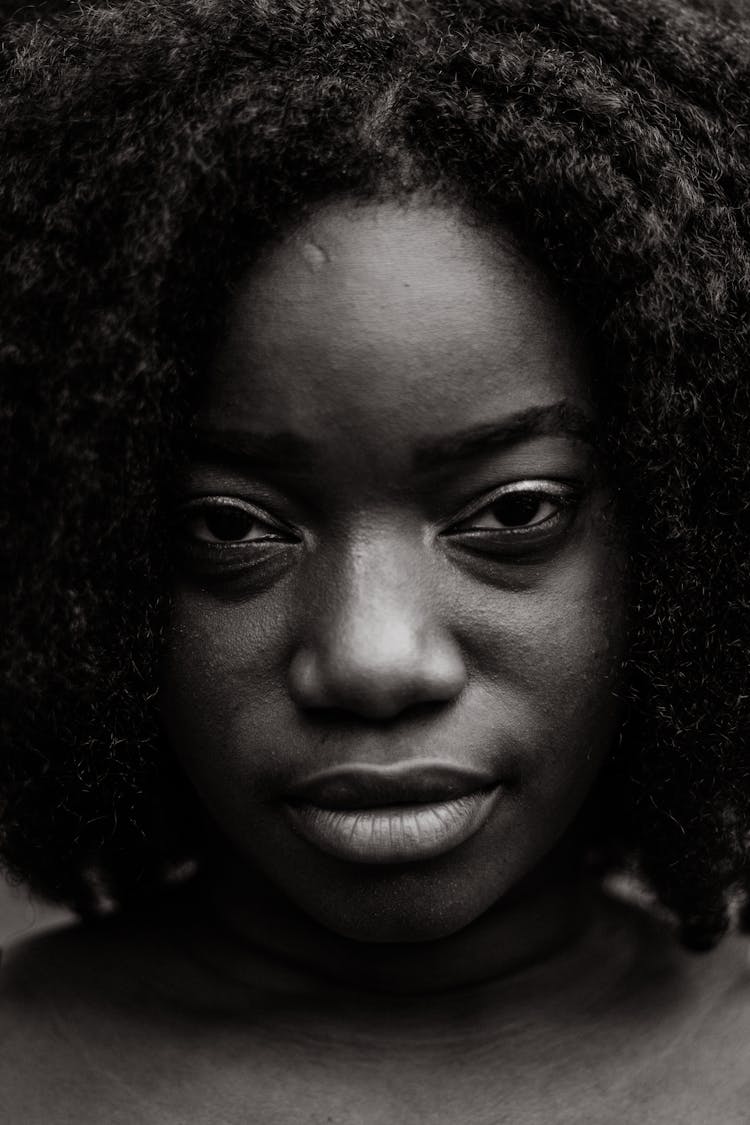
[
  {"x": 241, "y": 447},
  {"x": 290, "y": 452},
  {"x": 556, "y": 419}
]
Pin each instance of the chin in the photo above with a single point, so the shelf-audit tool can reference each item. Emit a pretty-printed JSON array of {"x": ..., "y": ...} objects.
[{"x": 400, "y": 908}]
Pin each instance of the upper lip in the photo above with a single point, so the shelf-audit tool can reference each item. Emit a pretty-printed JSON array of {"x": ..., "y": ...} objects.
[{"x": 363, "y": 786}]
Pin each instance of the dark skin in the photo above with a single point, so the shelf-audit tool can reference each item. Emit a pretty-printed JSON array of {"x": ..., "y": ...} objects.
[
  {"x": 379, "y": 610},
  {"x": 371, "y": 604}
]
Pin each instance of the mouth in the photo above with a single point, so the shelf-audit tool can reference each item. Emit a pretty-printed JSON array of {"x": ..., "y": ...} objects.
[{"x": 395, "y": 814}]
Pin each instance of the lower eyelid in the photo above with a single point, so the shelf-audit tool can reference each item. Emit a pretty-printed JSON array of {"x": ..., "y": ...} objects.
[
  {"x": 219, "y": 560},
  {"x": 519, "y": 543},
  {"x": 557, "y": 509},
  {"x": 195, "y": 542},
  {"x": 500, "y": 532},
  {"x": 234, "y": 544}
]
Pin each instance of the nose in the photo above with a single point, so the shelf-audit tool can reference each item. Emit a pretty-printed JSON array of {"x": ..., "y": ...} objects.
[{"x": 375, "y": 644}]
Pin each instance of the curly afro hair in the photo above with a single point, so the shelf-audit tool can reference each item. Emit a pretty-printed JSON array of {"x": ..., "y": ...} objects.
[{"x": 150, "y": 147}]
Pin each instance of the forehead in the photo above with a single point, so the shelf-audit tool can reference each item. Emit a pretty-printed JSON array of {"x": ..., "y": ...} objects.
[{"x": 412, "y": 319}]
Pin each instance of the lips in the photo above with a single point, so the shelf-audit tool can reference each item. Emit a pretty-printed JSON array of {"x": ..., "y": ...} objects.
[{"x": 391, "y": 814}]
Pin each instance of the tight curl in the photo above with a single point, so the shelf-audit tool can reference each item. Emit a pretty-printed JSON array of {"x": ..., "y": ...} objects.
[{"x": 149, "y": 148}]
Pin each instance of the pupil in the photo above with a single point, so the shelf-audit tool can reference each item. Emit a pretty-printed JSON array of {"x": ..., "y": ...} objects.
[
  {"x": 517, "y": 509},
  {"x": 228, "y": 523}
]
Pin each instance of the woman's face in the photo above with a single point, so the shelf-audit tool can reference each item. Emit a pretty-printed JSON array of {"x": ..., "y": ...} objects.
[{"x": 398, "y": 618}]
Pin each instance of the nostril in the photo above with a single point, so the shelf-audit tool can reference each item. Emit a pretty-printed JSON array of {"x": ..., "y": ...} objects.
[{"x": 344, "y": 721}]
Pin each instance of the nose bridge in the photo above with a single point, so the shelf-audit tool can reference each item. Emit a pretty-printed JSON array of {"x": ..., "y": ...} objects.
[
  {"x": 376, "y": 641},
  {"x": 379, "y": 600}
]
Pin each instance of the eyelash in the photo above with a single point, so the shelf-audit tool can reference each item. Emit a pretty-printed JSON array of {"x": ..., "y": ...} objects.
[
  {"x": 563, "y": 497},
  {"x": 206, "y": 507},
  {"x": 511, "y": 540}
]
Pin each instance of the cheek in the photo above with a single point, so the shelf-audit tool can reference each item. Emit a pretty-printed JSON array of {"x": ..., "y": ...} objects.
[
  {"x": 550, "y": 658},
  {"x": 222, "y": 677},
  {"x": 572, "y": 652},
  {"x": 551, "y": 673}
]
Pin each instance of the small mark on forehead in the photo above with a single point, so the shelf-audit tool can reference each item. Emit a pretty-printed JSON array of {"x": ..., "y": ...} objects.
[{"x": 315, "y": 256}]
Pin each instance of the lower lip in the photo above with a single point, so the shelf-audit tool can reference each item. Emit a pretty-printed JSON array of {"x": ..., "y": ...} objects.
[{"x": 393, "y": 834}]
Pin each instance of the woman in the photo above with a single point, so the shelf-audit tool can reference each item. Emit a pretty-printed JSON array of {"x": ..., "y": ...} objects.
[{"x": 377, "y": 409}]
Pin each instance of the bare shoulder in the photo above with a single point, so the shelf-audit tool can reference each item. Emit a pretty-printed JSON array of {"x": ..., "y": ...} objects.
[
  {"x": 697, "y": 1066},
  {"x": 34, "y": 1055},
  {"x": 33, "y": 976},
  {"x": 723, "y": 1008},
  {"x": 110, "y": 1022},
  {"x": 106, "y": 1023},
  {"x": 76, "y": 960},
  {"x": 79, "y": 1013}
]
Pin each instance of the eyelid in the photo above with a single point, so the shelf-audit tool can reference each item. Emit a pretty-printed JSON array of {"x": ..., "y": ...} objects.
[
  {"x": 563, "y": 490},
  {"x": 261, "y": 515}
]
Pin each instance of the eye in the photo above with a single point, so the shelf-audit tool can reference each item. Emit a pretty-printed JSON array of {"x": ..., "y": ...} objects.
[
  {"x": 520, "y": 515},
  {"x": 223, "y": 521},
  {"x": 517, "y": 509}
]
